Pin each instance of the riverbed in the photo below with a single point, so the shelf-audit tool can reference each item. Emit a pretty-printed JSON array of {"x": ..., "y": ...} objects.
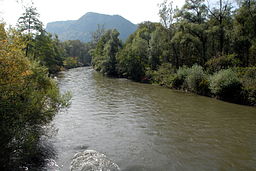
[{"x": 147, "y": 127}]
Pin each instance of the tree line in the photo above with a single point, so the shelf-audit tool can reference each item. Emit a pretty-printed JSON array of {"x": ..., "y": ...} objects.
[
  {"x": 47, "y": 49},
  {"x": 206, "y": 48},
  {"x": 29, "y": 98}
]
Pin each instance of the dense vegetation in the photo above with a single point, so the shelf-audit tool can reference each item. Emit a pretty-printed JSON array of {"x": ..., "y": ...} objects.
[
  {"x": 209, "y": 50},
  {"x": 76, "y": 53},
  {"x": 29, "y": 98}
]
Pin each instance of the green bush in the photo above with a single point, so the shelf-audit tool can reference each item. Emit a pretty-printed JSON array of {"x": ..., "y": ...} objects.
[
  {"x": 179, "y": 79},
  {"x": 226, "y": 85},
  {"x": 247, "y": 76},
  {"x": 252, "y": 58},
  {"x": 71, "y": 62},
  {"x": 222, "y": 62},
  {"x": 163, "y": 76},
  {"x": 197, "y": 80}
]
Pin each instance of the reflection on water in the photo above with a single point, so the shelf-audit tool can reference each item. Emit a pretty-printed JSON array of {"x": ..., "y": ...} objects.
[{"x": 145, "y": 127}]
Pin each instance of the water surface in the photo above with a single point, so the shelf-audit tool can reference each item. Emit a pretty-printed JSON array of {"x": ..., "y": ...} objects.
[{"x": 147, "y": 127}]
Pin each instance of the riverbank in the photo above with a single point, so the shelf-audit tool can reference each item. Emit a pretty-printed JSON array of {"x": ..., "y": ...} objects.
[{"x": 234, "y": 85}]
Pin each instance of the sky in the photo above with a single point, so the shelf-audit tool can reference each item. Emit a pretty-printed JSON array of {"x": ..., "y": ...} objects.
[{"x": 135, "y": 11}]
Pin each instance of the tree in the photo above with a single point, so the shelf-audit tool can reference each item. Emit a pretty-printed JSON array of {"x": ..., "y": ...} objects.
[
  {"x": 245, "y": 32},
  {"x": 29, "y": 22},
  {"x": 40, "y": 45},
  {"x": 104, "y": 55},
  {"x": 157, "y": 48},
  {"x": 95, "y": 36},
  {"x": 138, "y": 54},
  {"x": 29, "y": 99},
  {"x": 75, "y": 48},
  {"x": 30, "y": 25},
  {"x": 191, "y": 31},
  {"x": 166, "y": 13},
  {"x": 221, "y": 23},
  {"x": 48, "y": 51}
]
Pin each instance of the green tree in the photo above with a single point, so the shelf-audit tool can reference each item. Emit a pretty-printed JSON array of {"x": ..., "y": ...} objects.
[
  {"x": 48, "y": 51},
  {"x": 166, "y": 14},
  {"x": 245, "y": 32},
  {"x": 104, "y": 55},
  {"x": 191, "y": 32},
  {"x": 139, "y": 54},
  {"x": 29, "y": 99},
  {"x": 40, "y": 45},
  {"x": 30, "y": 25},
  {"x": 75, "y": 48},
  {"x": 220, "y": 25},
  {"x": 158, "y": 48}
]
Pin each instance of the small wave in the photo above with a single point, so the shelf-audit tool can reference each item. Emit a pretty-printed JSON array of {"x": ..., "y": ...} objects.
[
  {"x": 51, "y": 165},
  {"x": 90, "y": 160}
]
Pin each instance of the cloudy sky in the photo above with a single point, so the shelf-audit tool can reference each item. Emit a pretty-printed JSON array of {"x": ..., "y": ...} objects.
[{"x": 55, "y": 10}]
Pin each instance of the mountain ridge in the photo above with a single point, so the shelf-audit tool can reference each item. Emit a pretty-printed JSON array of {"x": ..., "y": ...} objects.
[{"x": 82, "y": 28}]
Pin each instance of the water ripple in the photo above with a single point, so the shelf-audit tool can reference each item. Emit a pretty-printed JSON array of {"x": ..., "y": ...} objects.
[{"x": 145, "y": 127}]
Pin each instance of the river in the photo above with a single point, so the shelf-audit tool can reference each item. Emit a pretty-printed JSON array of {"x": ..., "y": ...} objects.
[{"x": 147, "y": 127}]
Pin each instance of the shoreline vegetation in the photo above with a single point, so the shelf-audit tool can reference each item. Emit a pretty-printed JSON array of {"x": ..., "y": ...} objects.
[
  {"x": 207, "y": 50},
  {"x": 29, "y": 97},
  {"x": 234, "y": 85}
]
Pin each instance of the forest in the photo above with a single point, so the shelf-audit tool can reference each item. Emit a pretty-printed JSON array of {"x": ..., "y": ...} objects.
[
  {"x": 201, "y": 48},
  {"x": 205, "y": 49}
]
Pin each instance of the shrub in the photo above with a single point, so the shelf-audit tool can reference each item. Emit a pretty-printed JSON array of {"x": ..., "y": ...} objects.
[
  {"x": 71, "y": 62},
  {"x": 226, "y": 85},
  {"x": 197, "y": 80},
  {"x": 252, "y": 58},
  {"x": 179, "y": 79},
  {"x": 222, "y": 62},
  {"x": 248, "y": 78},
  {"x": 163, "y": 76}
]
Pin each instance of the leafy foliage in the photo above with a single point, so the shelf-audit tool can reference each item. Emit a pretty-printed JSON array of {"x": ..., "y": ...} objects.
[
  {"x": 29, "y": 99},
  {"x": 40, "y": 45},
  {"x": 140, "y": 52},
  {"x": 29, "y": 22},
  {"x": 163, "y": 76},
  {"x": 248, "y": 78},
  {"x": 104, "y": 55},
  {"x": 222, "y": 62},
  {"x": 179, "y": 80},
  {"x": 197, "y": 80},
  {"x": 78, "y": 50},
  {"x": 48, "y": 51},
  {"x": 226, "y": 85},
  {"x": 215, "y": 35},
  {"x": 71, "y": 62}
]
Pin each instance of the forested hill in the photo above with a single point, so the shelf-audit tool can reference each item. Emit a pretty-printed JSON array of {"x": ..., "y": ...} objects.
[{"x": 82, "y": 28}]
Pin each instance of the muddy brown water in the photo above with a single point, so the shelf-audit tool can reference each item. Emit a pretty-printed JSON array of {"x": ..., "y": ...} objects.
[{"x": 147, "y": 127}]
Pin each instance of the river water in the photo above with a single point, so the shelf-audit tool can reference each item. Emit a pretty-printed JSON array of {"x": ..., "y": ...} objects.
[{"x": 147, "y": 127}]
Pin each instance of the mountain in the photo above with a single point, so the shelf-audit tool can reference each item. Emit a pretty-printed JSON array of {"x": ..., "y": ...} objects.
[{"x": 82, "y": 28}]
